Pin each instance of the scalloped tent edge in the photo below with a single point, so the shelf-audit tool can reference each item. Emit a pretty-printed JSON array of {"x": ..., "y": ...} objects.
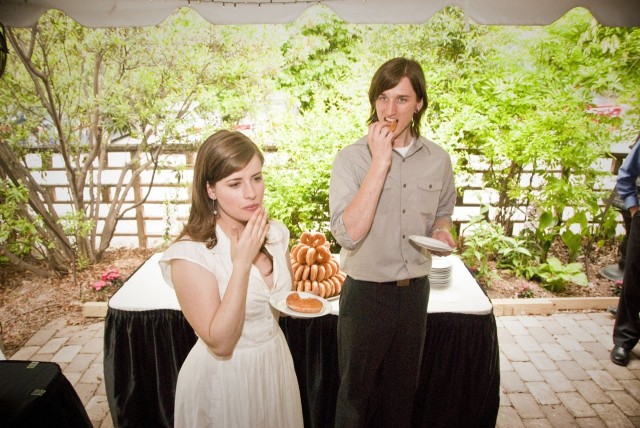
[{"x": 133, "y": 13}]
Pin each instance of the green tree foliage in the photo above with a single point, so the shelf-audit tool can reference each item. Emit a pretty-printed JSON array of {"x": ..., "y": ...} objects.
[
  {"x": 319, "y": 58},
  {"x": 320, "y": 67},
  {"x": 80, "y": 89},
  {"x": 19, "y": 232}
]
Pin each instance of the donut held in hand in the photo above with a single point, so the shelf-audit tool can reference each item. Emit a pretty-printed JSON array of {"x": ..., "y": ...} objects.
[{"x": 391, "y": 123}]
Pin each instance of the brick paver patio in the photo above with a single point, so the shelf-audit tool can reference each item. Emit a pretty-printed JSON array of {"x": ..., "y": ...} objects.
[{"x": 555, "y": 370}]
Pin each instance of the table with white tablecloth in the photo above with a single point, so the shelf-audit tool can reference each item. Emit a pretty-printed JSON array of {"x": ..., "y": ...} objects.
[{"x": 147, "y": 339}]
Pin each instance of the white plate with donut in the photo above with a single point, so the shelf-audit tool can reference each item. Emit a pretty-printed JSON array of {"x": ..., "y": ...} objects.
[
  {"x": 279, "y": 302},
  {"x": 430, "y": 243}
]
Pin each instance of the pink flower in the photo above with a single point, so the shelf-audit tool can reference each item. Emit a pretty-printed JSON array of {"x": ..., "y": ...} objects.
[
  {"x": 113, "y": 275},
  {"x": 110, "y": 278},
  {"x": 99, "y": 285}
]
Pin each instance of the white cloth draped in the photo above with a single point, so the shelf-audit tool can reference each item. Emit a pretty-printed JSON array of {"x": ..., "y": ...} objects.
[{"x": 127, "y": 13}]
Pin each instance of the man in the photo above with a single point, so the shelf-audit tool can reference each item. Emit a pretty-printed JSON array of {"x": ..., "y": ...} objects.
[
  {"x": 626, "y": 331},
  {"x": 389, "y": 185}
]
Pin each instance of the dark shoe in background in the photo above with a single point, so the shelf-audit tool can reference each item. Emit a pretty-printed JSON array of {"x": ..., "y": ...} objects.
[
  {"x": 612, "y": 272},
  {"x": 620, "y": 356}
]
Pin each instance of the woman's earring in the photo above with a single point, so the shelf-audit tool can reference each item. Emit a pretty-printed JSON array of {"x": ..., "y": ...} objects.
[{"x": 215, "y": 211}]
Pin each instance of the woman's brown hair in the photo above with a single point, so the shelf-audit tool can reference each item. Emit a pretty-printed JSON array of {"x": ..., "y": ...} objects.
[
  {"x": 222, "y": 154},
  {"x": 388, "y": 76}
]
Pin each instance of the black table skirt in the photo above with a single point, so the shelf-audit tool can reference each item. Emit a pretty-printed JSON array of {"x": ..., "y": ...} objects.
[
  {"x": 37, "y": 394},
  {"x": 459, "y": 381},
  {"x": 143, "y": 353},
  {"x": 460, "y": 376},
  {"x": 459, "y": 385}
]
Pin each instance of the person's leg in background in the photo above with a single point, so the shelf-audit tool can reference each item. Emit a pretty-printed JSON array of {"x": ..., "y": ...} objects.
[
  {"x": 626, "y": 331},
  {"x": 622, "y": 248}
]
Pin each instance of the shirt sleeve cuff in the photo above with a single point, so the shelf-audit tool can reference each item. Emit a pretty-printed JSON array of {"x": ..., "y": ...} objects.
[
  {"x": 340, "y": 234},
  {"x": 630, "y": 201}
]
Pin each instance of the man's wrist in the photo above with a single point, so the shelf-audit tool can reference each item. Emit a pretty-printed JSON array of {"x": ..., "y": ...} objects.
[{"x": 437, "y": 229}]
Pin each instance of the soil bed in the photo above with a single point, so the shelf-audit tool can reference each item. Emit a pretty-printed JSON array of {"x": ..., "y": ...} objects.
[{"x": 28, "y": 301}]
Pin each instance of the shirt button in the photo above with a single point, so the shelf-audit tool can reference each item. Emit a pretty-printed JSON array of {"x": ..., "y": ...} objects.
[
  {"x": 403, "y": 236},
  {"x": 403, "y": 211},
  {"x": 404, "y": 185}
]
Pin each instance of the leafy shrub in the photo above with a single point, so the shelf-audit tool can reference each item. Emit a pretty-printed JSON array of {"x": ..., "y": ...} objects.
[
  {"x": 18, "y": 233},
  {"x": 555, "y": 276},
  {"x": 488, "y": 242},
  {"x": 525, "y": 292}
]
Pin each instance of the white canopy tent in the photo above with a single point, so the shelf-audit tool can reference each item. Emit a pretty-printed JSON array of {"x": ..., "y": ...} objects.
[{"x": 127, "y": 13}]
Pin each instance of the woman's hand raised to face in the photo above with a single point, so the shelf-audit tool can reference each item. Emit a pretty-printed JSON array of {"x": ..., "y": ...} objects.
[{"x": 245, "y": 245}]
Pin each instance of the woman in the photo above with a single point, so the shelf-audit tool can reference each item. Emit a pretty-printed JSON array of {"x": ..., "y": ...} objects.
[{"x": 225, "y": 264}]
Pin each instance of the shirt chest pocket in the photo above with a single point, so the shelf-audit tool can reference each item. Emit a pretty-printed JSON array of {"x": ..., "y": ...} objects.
[{"x": 429, "y": 195}]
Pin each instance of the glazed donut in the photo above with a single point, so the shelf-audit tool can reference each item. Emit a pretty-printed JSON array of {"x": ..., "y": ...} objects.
[
  {"x": 294, "y": 250},
  {"x": 327, "y": 288},
  {"x": 328, "y": 270},
  {"x": 313, "y": 273},
  {"x": 330, "y": 288},
  {"x": 305, "y": 272},
  {"x": 306, "y": 238},
  {"x": 338, "y": 288},
  {"x": 304, "y": 305},
  {"x": 318, "y": 239},
  {"x": 297, "y": 274},
  {"x": 307, "y": 286},
  {"x": 322, "y": 255},
  {"x": 323, "y": 289},
  {"x": 315, "y": 289},
  {"x": 322, "y": 273},
  {"x": 299, "y": 286},
  {"x": 334, "y": 266},
  {"x": 310, "y": 256},
  {"x": 391, "y": 123},
  {"x": 302, "y": 254},
  {"x": 335, "y": 283}
]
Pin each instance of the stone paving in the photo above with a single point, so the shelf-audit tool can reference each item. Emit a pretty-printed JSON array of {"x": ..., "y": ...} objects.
[
  {"x": 555, "y": 370},
  {"x": 77, "y": 349}
]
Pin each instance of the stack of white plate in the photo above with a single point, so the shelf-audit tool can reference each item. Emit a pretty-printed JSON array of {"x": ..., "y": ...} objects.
[{"x": 441, "y": 272}]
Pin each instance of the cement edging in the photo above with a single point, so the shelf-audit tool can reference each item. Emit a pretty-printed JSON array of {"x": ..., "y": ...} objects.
[
  {"x": 546, "y": 306},
  {"x": 94, "y": 309},
  {"x": 536, "y": 306}
]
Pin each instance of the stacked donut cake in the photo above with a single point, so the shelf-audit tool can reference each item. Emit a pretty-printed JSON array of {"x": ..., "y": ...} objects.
[{"x": 314, "y": 270}]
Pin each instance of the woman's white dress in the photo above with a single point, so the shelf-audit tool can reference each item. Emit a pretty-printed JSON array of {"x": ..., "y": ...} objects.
[{"x": 256, "y": 386}]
